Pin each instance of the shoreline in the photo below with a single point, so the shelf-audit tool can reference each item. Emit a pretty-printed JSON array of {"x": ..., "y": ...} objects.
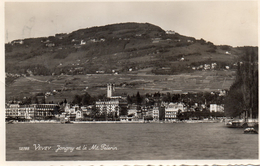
[{"x": 114, "y": 122}]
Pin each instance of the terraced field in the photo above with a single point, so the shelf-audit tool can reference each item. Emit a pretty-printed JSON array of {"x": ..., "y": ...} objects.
[{"x": 67, "y": 86}]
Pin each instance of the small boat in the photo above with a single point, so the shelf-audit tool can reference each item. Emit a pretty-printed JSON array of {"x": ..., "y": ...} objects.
[
  {"x": 235, "y": 124},
  {"x": 250, "y": 130},
  {"x": 10, "y": 122}
]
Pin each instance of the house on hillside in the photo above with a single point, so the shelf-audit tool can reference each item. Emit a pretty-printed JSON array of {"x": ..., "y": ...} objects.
[
  {"x": 156, "y": 40},
  {"x": 170, "y": 32},
  {"x": 17, "y": 42},
  {"x": 82, "y": 42},
  {"x": 93, "y": 40},
  {"x": 222, "y": 93},
  {"x": 100, "y": 72},
  {"x": 206, "y": 66},
  {"x": 49, "y": 44}
]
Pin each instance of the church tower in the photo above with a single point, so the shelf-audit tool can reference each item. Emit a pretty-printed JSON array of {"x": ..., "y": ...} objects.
[{"x": 110, "y": 88}]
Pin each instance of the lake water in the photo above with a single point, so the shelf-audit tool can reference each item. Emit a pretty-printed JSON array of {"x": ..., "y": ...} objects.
[{"x": 152, "y": 141}]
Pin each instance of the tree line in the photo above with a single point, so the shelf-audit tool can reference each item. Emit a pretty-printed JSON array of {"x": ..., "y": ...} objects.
[{"x": 243, "y": 94}]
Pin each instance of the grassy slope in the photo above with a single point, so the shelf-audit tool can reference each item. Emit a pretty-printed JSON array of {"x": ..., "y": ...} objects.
[
  {"x": 125, "y": 83},
  {"x": 117, "y": 52},
  {"x": 120, "y": 53}
]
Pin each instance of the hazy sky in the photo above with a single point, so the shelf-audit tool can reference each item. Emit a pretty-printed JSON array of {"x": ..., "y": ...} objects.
[{"x": 221, "y": 22}]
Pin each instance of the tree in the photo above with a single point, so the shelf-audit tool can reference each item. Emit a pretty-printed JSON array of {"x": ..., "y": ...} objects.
[
  {"x": 129, "y": 100},
  {"x": 77, "y": 100},
  {"x": 94, "y": 112},
  {"x": 167, "y": 97},
  {"x": 86, "y": 99},
  {"x": 35, "y": 100},
  {"x": 138, "y": 98},
  {"x": 27, "y": 100},
  {"x": 243, "y": 94}
]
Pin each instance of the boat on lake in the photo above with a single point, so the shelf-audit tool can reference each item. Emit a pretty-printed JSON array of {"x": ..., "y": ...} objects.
[
  {"x": 10, "y": 122},
  {"x": 250, "y": 130},
  {"x": 239, "y": 123}
]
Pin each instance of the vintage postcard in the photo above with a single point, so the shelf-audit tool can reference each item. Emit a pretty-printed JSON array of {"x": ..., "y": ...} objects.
[{"x": 130, "y": 83}]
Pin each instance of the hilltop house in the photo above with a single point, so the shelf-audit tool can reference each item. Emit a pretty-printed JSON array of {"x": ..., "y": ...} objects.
[
  {"x": 17, "y": 42},
  {"x": 170, "y": 32}
]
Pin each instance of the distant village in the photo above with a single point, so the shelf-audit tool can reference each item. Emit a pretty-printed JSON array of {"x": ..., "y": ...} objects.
[{"x": 150, "y": 108}]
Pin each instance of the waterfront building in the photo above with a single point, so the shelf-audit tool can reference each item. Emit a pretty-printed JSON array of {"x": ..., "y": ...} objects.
[
  {"x": 86, "y": 111},
  {"x": 45, "y": 111},
  {"x": 155, "y": 113},
  {"x": 113, "y": 104},
  {"x": 145, "y": 110},
  {"x": 79, "y": 115},
  {"x": 31, "y": 111},
  {"x": 110, "y": 106},
  {"x": 71, "y": 112},
  {"x": 71, "y": 109},
  {"x": 139, "y": 113},
  {"x": 216, "y": 108},
  {"x": 20, "y": 112},
  {"x": 132, "y": 110},
  {"x": 171, "y": 111},
  {"x": 150, "y": 112},
  {"x": 125, "y": 118}
]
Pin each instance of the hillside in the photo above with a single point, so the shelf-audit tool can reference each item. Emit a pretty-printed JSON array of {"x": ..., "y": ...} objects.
[
  {"x": 115, "y": 48},
  {"x": 136, "y": 56}
]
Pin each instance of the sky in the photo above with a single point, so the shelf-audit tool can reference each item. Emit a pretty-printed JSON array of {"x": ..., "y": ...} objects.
[{"x": 232, "y": 23}]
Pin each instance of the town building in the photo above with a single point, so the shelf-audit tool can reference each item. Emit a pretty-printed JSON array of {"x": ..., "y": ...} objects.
[
  {"x": 155, "y": 113},
  {"x": 113, "y": 103},
  {"x": 171, "y": 111},
  {"x": 79, "y": 115},
  {"x": 132, "y": 110},
  {"x": 17, "y": 111},
  {"x": 45, "y": 111},
  {"x": 109, "y": 106},
  {"x": 31, "y": 111},
  {"x": 216, "y": 108}
]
